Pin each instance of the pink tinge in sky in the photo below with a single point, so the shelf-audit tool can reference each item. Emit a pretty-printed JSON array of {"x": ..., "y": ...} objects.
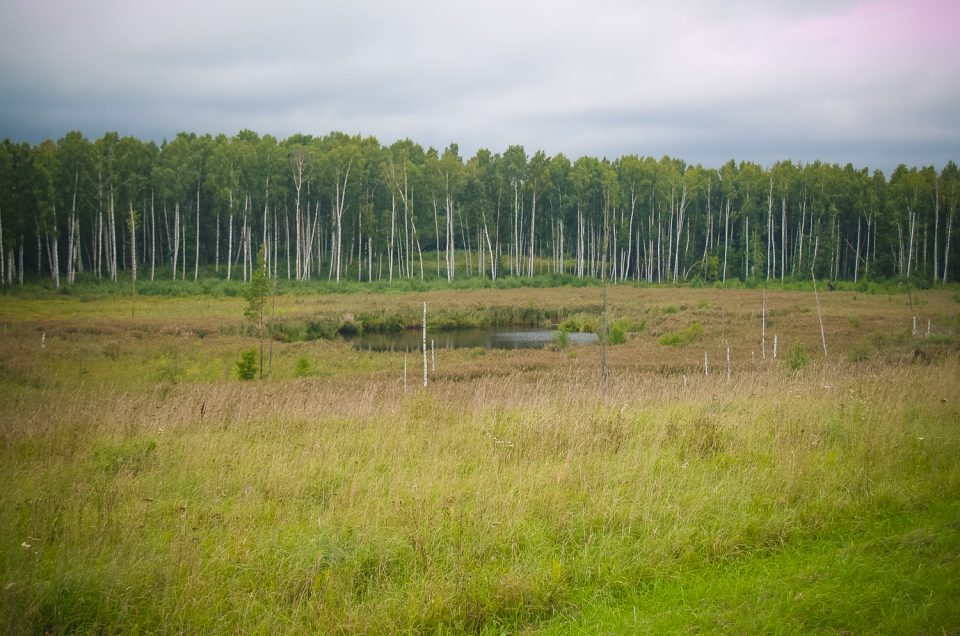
[{"x": 892, "y": 27}]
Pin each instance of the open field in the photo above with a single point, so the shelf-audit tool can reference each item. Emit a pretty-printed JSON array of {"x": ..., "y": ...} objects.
[{"x": 146, "y": 489}]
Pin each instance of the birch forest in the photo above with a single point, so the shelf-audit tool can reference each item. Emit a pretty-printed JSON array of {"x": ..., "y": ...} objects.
[{"x": 341, "y": 207}]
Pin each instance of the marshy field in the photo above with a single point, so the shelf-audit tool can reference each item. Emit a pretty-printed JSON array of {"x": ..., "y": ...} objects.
[{"x": 702, "y": 482}]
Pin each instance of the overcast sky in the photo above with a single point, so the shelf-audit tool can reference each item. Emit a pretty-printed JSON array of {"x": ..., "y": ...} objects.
[{"x": 872, "y": 82}]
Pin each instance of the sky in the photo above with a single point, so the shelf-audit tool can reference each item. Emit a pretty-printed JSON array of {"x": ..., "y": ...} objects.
[{"x": 875, "y": 83}]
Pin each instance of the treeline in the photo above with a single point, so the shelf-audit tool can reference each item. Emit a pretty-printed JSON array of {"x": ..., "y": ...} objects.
[{"x": 346, "y": 207}]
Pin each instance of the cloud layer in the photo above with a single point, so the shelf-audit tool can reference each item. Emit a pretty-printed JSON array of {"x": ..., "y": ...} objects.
[{"x": 873, "y": 83}]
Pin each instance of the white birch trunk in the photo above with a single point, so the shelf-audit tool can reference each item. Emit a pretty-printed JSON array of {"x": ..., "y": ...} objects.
[
  {"x": 176, "y": 238},
  {"x": 424, "y": 344},
  {"x": 196, "y": 257}
]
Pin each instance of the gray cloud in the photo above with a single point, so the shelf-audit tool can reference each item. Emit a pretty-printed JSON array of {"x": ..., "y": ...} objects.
[{"x": 700, "y": 80}]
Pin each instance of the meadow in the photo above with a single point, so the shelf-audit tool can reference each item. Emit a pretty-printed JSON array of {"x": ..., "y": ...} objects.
[{"x": 146, "y": 489}]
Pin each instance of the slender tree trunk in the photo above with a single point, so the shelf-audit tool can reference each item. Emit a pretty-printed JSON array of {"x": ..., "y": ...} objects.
[
  {"x": 633, "y": 205},
  {"x": 746, "y": 250},
  {"x": 856, "y": 259},
  {"x": 726, "y": 241},
  {"x": 176, "y": 238},
  {"x": 913, "y": 224},
  {"x": 153, "y": 237},
  {"x": 230, "y": 244},
  {"x": 823, "y": 337},
  {"x": 113, "y": 239},
  {"x": 424, "y": 345},
  {"x": 603, "y": 313},
  {"x": 769, "y": 226},
  {"x": 783, "y": 239},
  {"x": 393, "y": 227},
  {"x": 533, "y": 226},
  {"x": 196, "y": 261},
  {"x": 183, "y": 252},
  {"x": 936, "y": 225},
  {"x": 680, "y": 215},
  {"x": 436, "y": 235}
]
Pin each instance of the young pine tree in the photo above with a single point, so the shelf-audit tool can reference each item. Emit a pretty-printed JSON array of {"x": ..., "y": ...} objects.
[{"x": 256, "y": 297}]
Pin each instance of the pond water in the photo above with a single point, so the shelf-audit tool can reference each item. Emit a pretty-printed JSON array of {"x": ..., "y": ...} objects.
[{"x": 492, "y": 338}]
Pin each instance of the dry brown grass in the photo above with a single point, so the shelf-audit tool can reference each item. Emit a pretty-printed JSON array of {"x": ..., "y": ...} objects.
[{"x": 519, "y": 488}]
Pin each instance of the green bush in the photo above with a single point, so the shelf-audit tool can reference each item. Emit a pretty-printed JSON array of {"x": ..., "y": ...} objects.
[
  {"x": 287, "y": 332},
  {"x": 349, "y": 329},
  {"x": 580, "y": 322},
  {"x": 169, "y": 369},
  {"x": 321, "y": 330},
  {"x": 302, "y": 370},
  {"x": 860, "y": 352},
  {"x": 617, "y": 335},
  {"x": 797, "y": 358},
  {"x": 247, "y": 365},
  {"x": 682, "y": 338},
  {"x": 559, "y": 340}
]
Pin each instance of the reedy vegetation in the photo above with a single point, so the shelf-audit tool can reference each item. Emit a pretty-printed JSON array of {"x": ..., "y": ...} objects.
[
  {"x": 339, "y": 207},
  {"x": 517, "y": 492}
]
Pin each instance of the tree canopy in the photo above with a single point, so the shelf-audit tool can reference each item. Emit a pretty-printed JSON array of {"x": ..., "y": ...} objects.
[{"x": 348, "y": 207}]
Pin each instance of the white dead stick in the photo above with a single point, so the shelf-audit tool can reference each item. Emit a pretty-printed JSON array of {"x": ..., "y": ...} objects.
[
  {"x": 706, "y": 364},
  {"x": 928, "y": 327},
  {"x": 823, "y": 337},
  {"x": 424, "y": 344},
  {"x": 774, "y": 346},
  {"x": 763, "y": 326},
  {"x": 43, "y": 341},
  {"x": 914, "y": 332}
]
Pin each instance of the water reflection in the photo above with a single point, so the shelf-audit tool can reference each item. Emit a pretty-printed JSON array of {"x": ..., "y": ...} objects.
[{"x": 502, "y": 338}]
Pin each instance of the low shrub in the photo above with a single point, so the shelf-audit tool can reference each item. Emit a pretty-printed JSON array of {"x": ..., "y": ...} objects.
[
  {"x": 247, "y": 365},
  {"x": 302, "y": 370},
  {"x": 559, "y": 340},
  {"x": 682, "y": 338},
  {"x": 797, "y": 358}
]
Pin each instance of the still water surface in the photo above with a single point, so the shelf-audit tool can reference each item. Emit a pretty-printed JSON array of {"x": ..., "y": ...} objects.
[{"x": 494, "y": 338}]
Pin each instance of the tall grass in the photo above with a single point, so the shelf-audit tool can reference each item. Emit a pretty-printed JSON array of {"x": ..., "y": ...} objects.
[{"x": 516, "y": 493}]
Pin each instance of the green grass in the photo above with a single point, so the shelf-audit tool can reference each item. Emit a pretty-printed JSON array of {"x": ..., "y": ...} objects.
[
  {"x": 894, "y": 575},
  {"x": 684, "y": 337},
  {"x": 147, "y": 490}
]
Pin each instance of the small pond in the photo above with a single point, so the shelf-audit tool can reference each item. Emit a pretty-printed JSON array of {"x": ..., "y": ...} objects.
[{"x": 491, "y": 338}]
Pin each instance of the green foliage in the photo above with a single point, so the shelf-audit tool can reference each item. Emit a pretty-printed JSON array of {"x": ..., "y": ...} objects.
[
  {"x": 169, "y": 368},
  {"x": 255, "y": 293},
  {"x": 559, "y": 340},
  {"x": 349, "y": 328},
  {"x": 302, "y": 369},
  {"x": 684, "y": 337},
  {"x": 797, "y": 358},
  {"x": 321, "y": 329},
  {"x": 617, "y": 334},
  {"x": 860, "y": 352},
  {"x": 938, "y": 339},
  {"x": 247, "y": 365},
  {"x": 288, "y": 332},
  {"x": 581, "y": 322}
]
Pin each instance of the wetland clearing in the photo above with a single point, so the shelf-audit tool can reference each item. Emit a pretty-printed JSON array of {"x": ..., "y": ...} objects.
[{"x": 701, "y": 482}]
